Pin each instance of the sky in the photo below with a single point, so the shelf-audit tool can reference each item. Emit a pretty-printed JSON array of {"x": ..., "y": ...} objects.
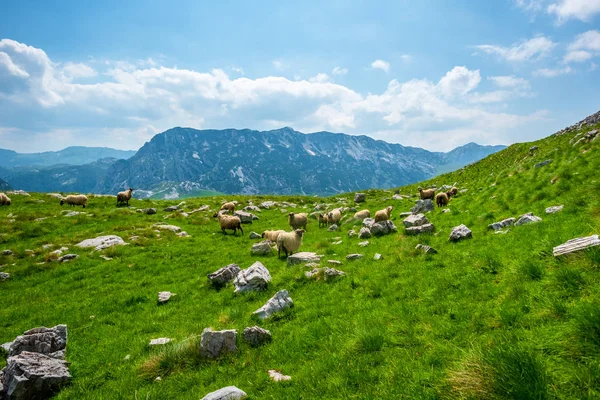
[{"x": 431, "y": 74}]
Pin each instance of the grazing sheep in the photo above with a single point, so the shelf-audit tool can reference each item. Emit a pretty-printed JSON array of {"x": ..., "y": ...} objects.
[
  {"x": 441, "y": 199},
  {"x": 272, "y": 235},
  {"x": 426, "y": 194},
  {"x": 362, "y": 214},
  {"x": 297, "y": 221},
  {"x": 228, "y": 206},
  {"x": 452, "y": 192},
  {"x": 4, "y": 200},
  {"x": 75, "y": 200},
  {"x": 124, "y": 197},
  {"x": 229, "y": 222},
  {"x": 323, "y": 220},
  {"x": 289, "y": 242},
  {"x": 334, "y": 216},
  {"x": 383, "y": 215}
]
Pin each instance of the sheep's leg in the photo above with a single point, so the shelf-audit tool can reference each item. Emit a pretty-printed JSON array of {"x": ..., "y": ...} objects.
[{"x": 241, "y": 230}]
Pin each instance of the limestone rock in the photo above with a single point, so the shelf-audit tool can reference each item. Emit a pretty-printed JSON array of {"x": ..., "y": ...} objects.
[
  {"x": 73, "y": 213},
  {"x": 150, "y": 211},
  {"x": 163, "y": 297},
  {"x": 426, "y": 249},
  {"x": 245, "y": 217},
  {"x": 334, "y": 262},
  {"x": 171, "y": 228},
  {"x": 351, "y": 233},
  {"x": 576, "y": 244},
  {"x": 214, "y": 344},
  {"x": 254, "y": 278},
  {"x": 254, "y": 235},
  {"x": 101, "y": 242},
  {"x": 368, "y": 222},
  {"x": 261, "y": 249},
  {"x": 6, "y": 253},
  {"x": 554, "y": 209},
  {"x": 267, "y": 204},
  {"x": 256, "y": 336},
  {"x": 405, "y": 214},
  {"x": 460, "y": 232},
  {"x": 277, "y": 303},
  {"x": 226, "y": 393},
  {"x": 353, "y": 256},
  {"x": 360, "y": 197},
  {"x": 527, "y": 219},
  {"x": 223, "y": 275},
  {"x": 542, "y": 164},
  {"x": 377, "y": 257},
  {"x": 333, "y": 227},
  {"x": 40, "y": 340},
  {"x": 422, "y": 206},
  {"x": 416, "y": 230},
  {"x": 415, "y": 220},
  {"x": 383, "y": 228},
  {"x": 251, "y": 208},
  {"x": 183, "y": 234},
  {"x": 172, "y": 208},
  {"x": 67, "y": 257},
  {"x": 364, "y": 244},
  {"x": 4, "y": 276},
  {"x": 364, "y": 233},
  {"x": 278, "y": 376},
  {"x": 303, "y": 257},
  {"x": 159, "y": 341},
  {"x": 324, "y": 273},
  {"x": 501, "y": 224}
]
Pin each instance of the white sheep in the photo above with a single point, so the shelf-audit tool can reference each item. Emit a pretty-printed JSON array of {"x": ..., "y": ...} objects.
[
  {"x": 124, "y": 197},
  {"x": 272, "y": 235},
  {"x": 229, "y": 206},
  {"x": 297, "y": 221},
  {"x": 289, "y": 242},
  {"x": 4, "y": 200},
  {"x": 362, "y": 214},
  {"x": 75, "y": 200},
  {"x": 229, "y": 222},
  {"x": 334, "y": 216},
  {"x": 383, "y": 215}
]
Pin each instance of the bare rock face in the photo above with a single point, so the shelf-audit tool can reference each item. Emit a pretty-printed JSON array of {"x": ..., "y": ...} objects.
[
  {"x": 256, "y": 336},
  {"x": 254, "y": 278},
  {"x": 214, "y": 344},
  {"x": 31, "y": 376},
  {"x": 223, "y": 275},
  {"x": 40, "y": 340},
  {"x": 277, "y": 303},
  {"x": 101, "y": 242},
  {"x": 226, "y": 393},
  {"x": 460, "y": 232}
]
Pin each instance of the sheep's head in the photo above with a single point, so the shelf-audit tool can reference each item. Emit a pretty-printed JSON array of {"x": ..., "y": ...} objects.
[
  {"x": 299, "y": 232},
  {"x": 263, "y": 234},
  {"x": 291, "y": 215},
  {"x": 216, "y": 215},
  {"x": 389, "y": 209},
  {"x": 420, "y": 189},
  {"x": 130, "y": 190},
  {"x": 62, "y": 201}
]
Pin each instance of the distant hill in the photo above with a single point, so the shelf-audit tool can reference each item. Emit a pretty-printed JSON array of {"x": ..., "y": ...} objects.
[
  {"x": 4, "y": 186},
  {"x": 76, "y": 155}
]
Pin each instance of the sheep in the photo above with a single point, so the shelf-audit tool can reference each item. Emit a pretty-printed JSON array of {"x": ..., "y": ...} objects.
[
  {"x": 272, "y": 235},
  {"x": 383, "y": 215},
  {"x": 229, "y": 222},
  {"x": 289, "y": 242},
  {"x": 4, "y": 200},
  {"x": 75, "y": 200},
  {"x": 334, "y": 216},
  {"x": 229, "y": 207},
  {"x": 362, "y": 214},
  {"x": 124, "y": 197},
  {"x": 323, "y": 220},
  {"x": 426, "y": 194},
  {"x": 441, "y": 199},
  {"x": 297, "y": 220},
  {"x": 452, "y": 192}
]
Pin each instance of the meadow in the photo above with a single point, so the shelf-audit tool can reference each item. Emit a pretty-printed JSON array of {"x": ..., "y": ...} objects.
[{"x": 493, "y": 317}]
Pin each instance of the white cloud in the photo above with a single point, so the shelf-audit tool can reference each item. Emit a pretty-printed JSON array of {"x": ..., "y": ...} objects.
[
  {"x": 406, "y": 58},
  {"x": 530, "y": 5},
  {"x": 380, "y": 64},
  {"x": 509, "y": 82},
  {"x": 552, "y": 72},
  {"x": 125, "y": 104},
  {"x": 74, "y": 71},
  {"x": 528, "y": 50},
  {"x": 583, "y": 10},
  {"x": 577, "y": 56},
  {"x": 584, "y": 47},
  {"x": 279, "y": 65},
  {"x": 339, "y": 71},
  {"x": 238, "y": 70}
]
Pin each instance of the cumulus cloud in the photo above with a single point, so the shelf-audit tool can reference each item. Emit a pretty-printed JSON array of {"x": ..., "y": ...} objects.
[
  {"x": 509, "y": 81},
  {"x": 528, "y": 50},
  {"x": 583, "y": 10},
  {"x": 552, "y": 72},
  {"x": 380, "y": 64},
  {"x": 79, "y": 70},
  {"x": 584, "y": 47},
  {"x": 339, "y": 71},
  {"x": 43, "y": 105}
]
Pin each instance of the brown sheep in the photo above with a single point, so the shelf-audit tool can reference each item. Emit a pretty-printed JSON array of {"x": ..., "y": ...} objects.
[
  {"x": 229, "y": 222},
  {"x": 323, "y": 220},
  {"x": 383, "y": 215},
  {"x": 229, "y": 207},
  {"x": 362, "y": 214},
  {"x": 297, "y": 221},
  {"x": 124, "y": 197},
  {"x": 75, "y": 200},
  {"x": 452, "y": 192},
  {"x": 426, "y": 194},
  {"x": 441, "y": 199}
]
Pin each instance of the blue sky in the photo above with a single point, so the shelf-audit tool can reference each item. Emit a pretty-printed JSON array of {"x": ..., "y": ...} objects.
[{"x": 433, "y": 74}]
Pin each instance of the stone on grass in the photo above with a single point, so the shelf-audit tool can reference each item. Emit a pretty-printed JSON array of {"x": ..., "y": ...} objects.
[
  {"x": 72, "y": 213},
  {"x": 278, "y": 376},
  {"x": 159, "y": 341},
  {"x": 30, "y": 375},
  {"x": 576, "y": 244},
  {"x": 333, "y": 227},
  {"x": 415, "y": 220},
  {"x": 261, "y": 249},
  {"x": 214, "y": 344},
  {"x": 324, "y": 273},
  {"x": 415, "y": 230},
  {"x": 4, "y": 276},
  {"x": 252, "y": 208},
  {"x": 223, "y": 275},
  {"x": 405, "y": 214},
  {"x": 226, "y": 393},
  {"x": 377, "y": 257},
  {"x": 40, "y": 340},
  {"x": 460, "y": 232},
  {"x": 353, "y": 256},
  {"x": 383, "y": 228},
  {"x": 542, "y": 164},
  {"x": 364, "y": 233},
  {"x": 303, "y": 257},
  {"x": 150, "y": 211},
  {"x": 364, "y": 244},
  {"x": 67, "y": 257},
  {"x": 256, "y": 336},
  {"x": 245, "y": 217},
  {"x": 422, "y": 206},
  {"x": 359, "y": 197},
  {"x": 446, "y": 210},
  {"x": 368, "y": 222},
  {"x": 254, "y": 278},
  {"x": 172, "y": 208},
  {"x": 334, "y": 262},
  {"x": 163, "y": 297},
  {"x": 501, "y": 224},
  {"x": 254, "y": 235},
  {"x": 183, "y": 234},
  {"x": 101, "y": 242},
  {"x": 426, "y": 249},
  {"x": 554, "y": 209},
  {"x": 351, "y": 233},
  {"x": 277, "y": 303},
  {"x": 171, "y": 228},
  {"x": 6, "y": 253},
  {"x": 267, "y": 204},
  {"x": 527, "y": 219}
]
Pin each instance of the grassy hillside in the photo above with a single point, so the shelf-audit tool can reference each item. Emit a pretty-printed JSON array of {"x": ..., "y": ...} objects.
[{"x": 493, "y": 317}]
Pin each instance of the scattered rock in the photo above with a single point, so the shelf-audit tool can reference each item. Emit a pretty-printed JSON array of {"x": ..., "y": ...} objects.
[
  {"x": 6, "y": 253},
  {"x": 254, "y": 235},
  {"x": 251, "y": 208},
  {"x": 245, "y": 217},
  {"x": 159, "y": 341},
  {"x": 256, "y": 336},
  {"x": 405, "y": 214},
  {"x": 150, "y": 211},
  {"x": 554, "y": 209},
  {"x": 55, "y": 195},
  {"x": 353, "y": 256},
  {"x": 334, "y": 262},
  {"x": 542, "y": 164},
  {"x": 576, "y": 244},
  {"x": 351, "y": 233},
  {"x": 527, "y": 218},
  {"x": 40, "y": 340},
  {"x": 223, "y": 275},
  {"x": 446, "y": 210},
  {"x": 183, "y": 234},
  {"x": 502, "y": 224},
  {"x": 101, "y": 242},
  {"x": 377, "y": 257},
  {"x": 105, "y": 258},
  {"x": 214, "y": 344},
  {"x": 163, "y": 297},
  {"x": 460, "y": 232},
  {"x": 426, "y": 249},
  {"x": 396, "y": 197},
  {"x": 73, "y": 213},
  {"x": 422, "y": 206},
  {"x": 360, "y": 197},
  {"x": 364, "y": 233},
  {"x": 324, "y": 273},
  {"x": 278, "y": 376},
  {"x": 368, "y": 222},
  {"x": 254, "y": 278},
  {"x": 226, "y": 393},
  {"x": 364, "y": 244},
  {"x": 172, "y": 208},
  {"x": 383, "y": 228},
  {"x": 416, "y": 230},
  {"x": 171, "y": 228},
  {"x": 279, "y": 302},
  {"x": 502, "y": 232},
  {"x": 67, "y": 257},
  {"x": 267, "y": 204},
  {"x": 532, "y": 149},
  {"x": 261, "y": 249},
  {"x": 302, "y": 258},
  {"x": 338, "y": 242},
  {"x": 312, "y": 265},
  {"x": 333, "y": 227},
  {"x": 4, "y": 276},
  {"x": 19, "y": 192}
]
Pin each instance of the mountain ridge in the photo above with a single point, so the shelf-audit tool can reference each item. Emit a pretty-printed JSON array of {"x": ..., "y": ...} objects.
[{"x": 72, "y": 155}]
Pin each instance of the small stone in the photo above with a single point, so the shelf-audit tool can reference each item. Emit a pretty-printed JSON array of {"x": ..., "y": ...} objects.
[
  {"x": 254, "y": 278},
  {"x": 214, "y": 344},
  {"x": 351, "y": 233},
  {"x": 278, "y": 376},
  {"x": 256, "y": 336},
  {"x": 226, "y": 393},
  {"x": 224, "y": 275},
  {"x": 255, "y": 235},
  {"x": 73, "y": 213},
  {"x": 415, "y": 220},
  {"x": 261, "y": 249},
  {"x": 542, "y": 164},
  {"x": 6, "y": 253},
  {"x": 460, "y": 232},
  {"x": 501, "y": 224},
  {"x": 277, "y": 303},
  {"x": 159, "y": 341},
  {"x": 157, "y": 379},
  {"x": 171, "y": 208},
  {"x": 446, "y": 210},
  {"x": 171, "y": 228},
  {"x": 302, "y": 257},
  {"x": 416, "y": 230},
  {"x": 405, "y": 214},
  {"x": 364, "y": 233},
  {"x": 127, "y": 357},
  {"x": 426, "y": 249},
  {"x": 353, "y": 256},
  {"x": 532, "y": 149},
  {"x": 377, "y": 257},
  {"x": 163, "y": 297},
  {"x": 338, "y": 242},
  {"x": 182, "y": 234},
  {"x": 311, "y": 265},
  {"x": 554, "y": 209},
  {"x": 527, "y": 219},
  {"x": 360, "y": 197},
  {"x": 333, "y": 227},
  {"x": 364, "y": 244},
  {"x": 4, "y": 276},
  {"x": 150, "y": 211},
  {"x": 101, "y": 242},
  {"x": 68, "y": 257},
  {"x": 334, "y": 262}
]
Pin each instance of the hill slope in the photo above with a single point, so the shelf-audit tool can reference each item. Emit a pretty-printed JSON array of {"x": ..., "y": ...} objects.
[
  {"x": 75, "y": 155},
  {"x": 494, "y": 317}
]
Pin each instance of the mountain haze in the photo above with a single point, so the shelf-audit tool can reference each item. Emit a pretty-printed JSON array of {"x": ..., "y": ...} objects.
[{"x": 75, "y": 155}]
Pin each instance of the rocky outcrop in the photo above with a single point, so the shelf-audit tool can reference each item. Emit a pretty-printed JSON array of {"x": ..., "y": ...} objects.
[
  {"x": 277, "y": 303},
  {"x": 226, "y": 393},
  {"x": 459, "y": 233},
  {"x": 40, "y": 340},
  {"x": 497, "y": 226},
  {"x": 254, "y": 278},
  {"x": 256, "y": 336},
  {"x": 101, "y": 242},
  {"x": 223, "y": 275},
  {"x": 214, "y": 344},
  {"x": 383, "y": 228}
]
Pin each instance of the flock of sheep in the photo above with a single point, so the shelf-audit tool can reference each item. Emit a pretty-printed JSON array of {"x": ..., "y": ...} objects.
[{"x": 78, "y": 199}]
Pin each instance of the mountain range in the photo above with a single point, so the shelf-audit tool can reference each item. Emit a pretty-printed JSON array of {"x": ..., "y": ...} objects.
[{"x": 182, "y": 161}]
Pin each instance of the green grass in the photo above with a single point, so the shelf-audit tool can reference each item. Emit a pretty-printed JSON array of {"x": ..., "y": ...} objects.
[{"x": 494, "y": 317}]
